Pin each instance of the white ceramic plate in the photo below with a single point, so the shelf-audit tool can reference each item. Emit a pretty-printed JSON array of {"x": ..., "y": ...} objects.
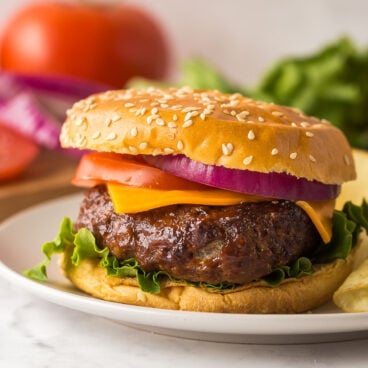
[{"x": 20, "y": 241}]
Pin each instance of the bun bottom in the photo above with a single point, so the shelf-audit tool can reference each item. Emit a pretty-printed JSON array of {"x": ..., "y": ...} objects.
[{"x": 292, "y": 296}]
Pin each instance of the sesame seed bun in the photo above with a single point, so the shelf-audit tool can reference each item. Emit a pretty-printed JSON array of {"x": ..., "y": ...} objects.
[
  {"x": 213, "y": 128},
  {"x": 292, "y": 296}
]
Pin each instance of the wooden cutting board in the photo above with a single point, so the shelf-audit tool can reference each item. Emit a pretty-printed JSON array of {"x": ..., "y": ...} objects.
[{"x": 47, "y": 177}]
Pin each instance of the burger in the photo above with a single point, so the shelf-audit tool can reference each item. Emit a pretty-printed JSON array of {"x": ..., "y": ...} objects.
[{"x": 203, "y": 201}]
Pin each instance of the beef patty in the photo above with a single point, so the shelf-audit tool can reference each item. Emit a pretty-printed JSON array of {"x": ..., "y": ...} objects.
[{"x": 212, "y": 244}]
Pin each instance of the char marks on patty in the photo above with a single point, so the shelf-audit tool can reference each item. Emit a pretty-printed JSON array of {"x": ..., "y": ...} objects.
[{"x": 212, "y": 244}]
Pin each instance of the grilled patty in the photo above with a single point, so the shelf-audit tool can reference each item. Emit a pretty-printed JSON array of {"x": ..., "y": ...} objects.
[{"x": 212, "y": 244}]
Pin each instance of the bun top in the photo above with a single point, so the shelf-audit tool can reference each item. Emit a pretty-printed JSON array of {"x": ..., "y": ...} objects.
[{"x": 211, "y": 127}]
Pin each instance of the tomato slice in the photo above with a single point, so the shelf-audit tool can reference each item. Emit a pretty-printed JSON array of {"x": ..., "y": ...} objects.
[
  {"x": 105, "y": 167},
  {"x": 16, "y": 152}
]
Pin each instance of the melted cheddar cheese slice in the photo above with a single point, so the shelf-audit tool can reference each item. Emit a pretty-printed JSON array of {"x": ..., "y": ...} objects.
[{"x": 128, "y": 199}]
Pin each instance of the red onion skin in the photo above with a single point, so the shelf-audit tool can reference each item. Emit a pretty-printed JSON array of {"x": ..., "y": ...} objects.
[
  {"x": 36, "y": 105},
  {"x": 271, "y": 185}
]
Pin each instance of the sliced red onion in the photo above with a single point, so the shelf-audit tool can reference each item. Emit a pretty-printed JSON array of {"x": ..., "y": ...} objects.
[
  {"x": 271, "y": 185},
  {"x": 36, "y": 105}
]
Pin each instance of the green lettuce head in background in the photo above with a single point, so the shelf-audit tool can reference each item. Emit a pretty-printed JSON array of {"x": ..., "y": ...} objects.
[{"x": 330, "y": 84}]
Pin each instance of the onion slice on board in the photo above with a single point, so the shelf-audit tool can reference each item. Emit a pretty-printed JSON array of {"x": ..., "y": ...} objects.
[
  {"x": 272, "y": 185},
  {"x": 36, "y": 105}
]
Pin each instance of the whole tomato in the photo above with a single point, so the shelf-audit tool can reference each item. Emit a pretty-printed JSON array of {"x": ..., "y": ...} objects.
[{"x": 102, "y": 42}]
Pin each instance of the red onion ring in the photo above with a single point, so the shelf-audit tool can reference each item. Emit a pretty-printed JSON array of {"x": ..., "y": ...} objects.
[
  {"x": 36, "y": 105},
  {"x": 271, "y": 185}
]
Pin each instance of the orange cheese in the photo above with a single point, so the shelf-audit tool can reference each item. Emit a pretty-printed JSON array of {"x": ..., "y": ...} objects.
[
  {"x": 320, "y": 213},
  {"x": 128, "y": 199}
]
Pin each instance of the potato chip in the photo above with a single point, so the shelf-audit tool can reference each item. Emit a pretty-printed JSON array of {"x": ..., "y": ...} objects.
[{"x": 352, "y": 295}]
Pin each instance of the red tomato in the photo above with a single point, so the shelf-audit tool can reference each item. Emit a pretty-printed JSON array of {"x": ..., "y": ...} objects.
[
  {"x": 98, "y": 168},
  {"x": 105, "y": 43},
  {"x": 16, "y": 152}
]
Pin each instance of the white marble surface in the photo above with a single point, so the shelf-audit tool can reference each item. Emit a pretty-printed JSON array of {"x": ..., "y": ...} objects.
[{"x": 35, "y": 333}]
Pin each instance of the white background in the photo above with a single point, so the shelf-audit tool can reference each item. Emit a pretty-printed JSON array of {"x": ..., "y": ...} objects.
[{"x": 243, "y": 37}]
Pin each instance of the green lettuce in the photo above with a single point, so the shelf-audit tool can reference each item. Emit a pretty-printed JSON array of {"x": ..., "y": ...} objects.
[
  {"x": 331, "y": 84},
  {"x": 347, "y": 225}
]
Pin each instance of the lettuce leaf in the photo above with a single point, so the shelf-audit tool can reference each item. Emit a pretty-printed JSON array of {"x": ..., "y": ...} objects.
[
  {"x": 331, "y": 83},
  {"x": 347, "y": 224}
]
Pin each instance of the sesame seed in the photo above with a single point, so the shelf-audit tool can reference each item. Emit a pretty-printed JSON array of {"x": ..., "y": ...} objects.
[
  {"x": 175, "y": 117},
  {"x": 164, "y": 105},
  {"x": 111, "y": 136},
  {"x": 141, "y": 111},
  {"x": 232, "y": 112},
  {"x": 108, "y": 122},
  {"x": 234, "y": 102},
  {"x": 151, "y": 117},
  {"x": 171, "y": 124},
  {"x": 160, "y": 122},
  {"x": 242, "y": 115},
  {"x": 188, "y": 115},
  {"x": 187, "y": 124},
  {"x": 277, "y": 113},
  {"x": 293, "y": 155},
  {"x": 235, "y": 96},
  {"x": 96, "y": 135},
  {"x": 248, "y": 160},
  {"x": 134, "y": 132},
  {"x": 167, "y": 96},
  {"x": 133, "y": 149},
  {"x": 347, "y": 160},
  {"x": 293, "y": 125},
  {"x": 129, "y": 104},
  {"x": 251, "y": 135},
  {"x": 157, "y": 151},
  {"x": 227, "y": 148},
  {"x": 168, "y": 150},
  {"x": 202, "y": 116},
  {"x": 180, "y": 145},
  {"x": 115, "y": 118},
  {"x": 154, "y": 111},
  {"x": 260, "y": 119},
  {"x": 274, "y": 151},
  {"x": 177, "y": 107},
  {"x": 190, "y": 109},
  {"x": 309, "y": 134},
  {"x": 312, "y": 158},
  {"x": 304, "y": 124},
  {"x": 143, "y": 145}
]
